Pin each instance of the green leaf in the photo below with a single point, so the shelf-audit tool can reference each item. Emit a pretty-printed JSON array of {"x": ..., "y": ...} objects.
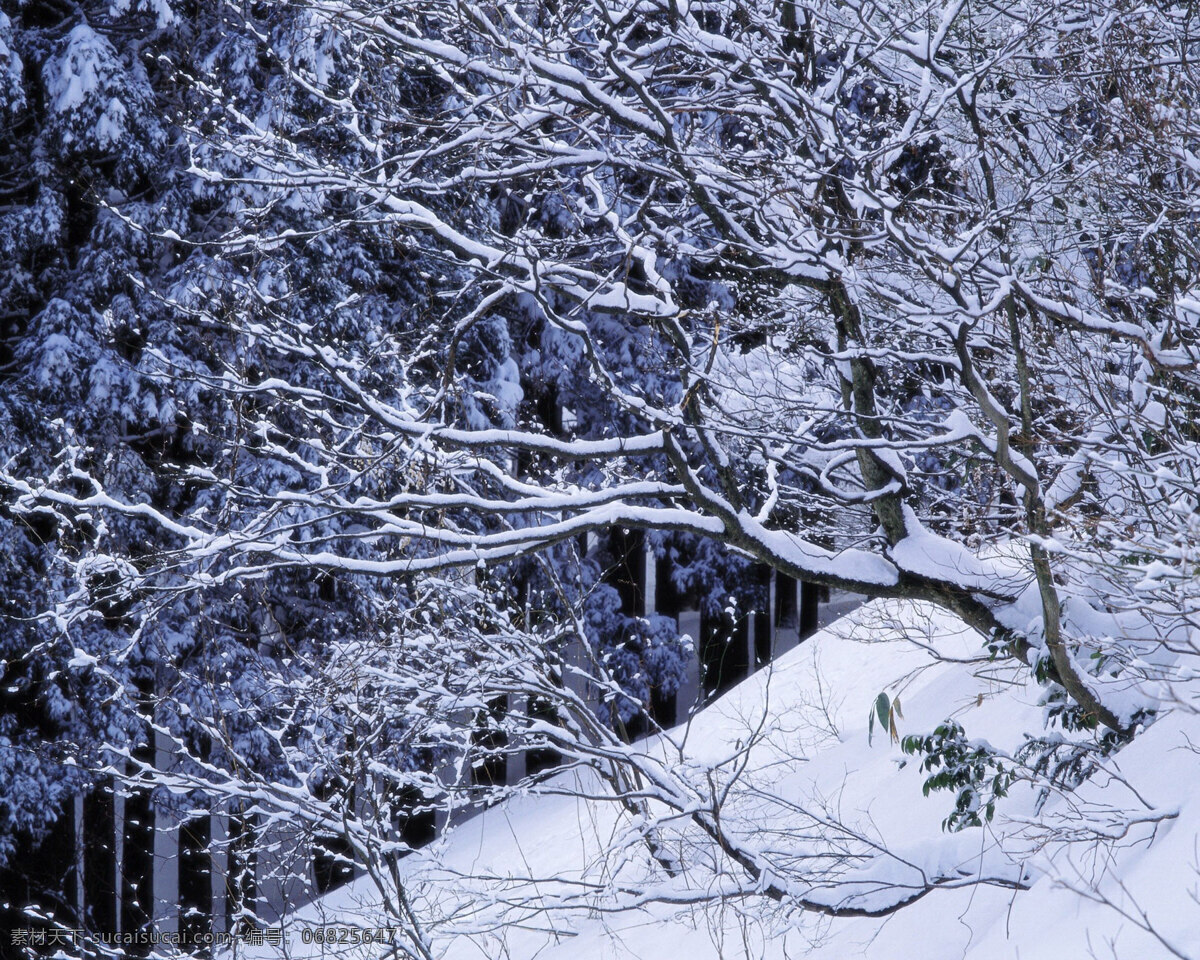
[{"x": 882, "y": 707}]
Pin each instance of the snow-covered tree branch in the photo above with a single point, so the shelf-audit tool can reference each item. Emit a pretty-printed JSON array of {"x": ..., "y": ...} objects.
[{"x": 900, "y": 301}]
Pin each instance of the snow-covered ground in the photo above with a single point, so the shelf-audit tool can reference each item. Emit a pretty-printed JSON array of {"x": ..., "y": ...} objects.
[{"x": 813, "y": 780}]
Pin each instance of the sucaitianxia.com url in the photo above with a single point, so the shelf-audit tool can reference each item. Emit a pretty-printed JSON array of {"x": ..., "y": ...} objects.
[{"x": 253, "y": 936}]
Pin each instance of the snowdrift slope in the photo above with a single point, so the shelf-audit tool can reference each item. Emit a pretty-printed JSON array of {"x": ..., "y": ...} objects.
[{"x": 1126, "y": 886}]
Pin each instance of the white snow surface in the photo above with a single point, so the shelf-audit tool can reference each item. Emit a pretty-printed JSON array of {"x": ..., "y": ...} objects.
[{"x": 810, "y": 709}]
